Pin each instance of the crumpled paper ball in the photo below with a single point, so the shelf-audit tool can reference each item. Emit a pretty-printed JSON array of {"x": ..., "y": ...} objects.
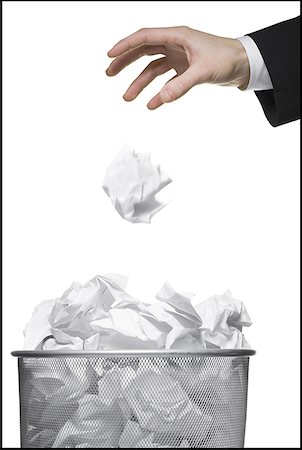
[
  {"x": 222, "y": 320},
  {"x": 132, "y": 183}
]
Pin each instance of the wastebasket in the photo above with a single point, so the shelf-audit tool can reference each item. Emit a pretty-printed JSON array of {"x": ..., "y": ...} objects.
[{"x": 133, "y": 399}]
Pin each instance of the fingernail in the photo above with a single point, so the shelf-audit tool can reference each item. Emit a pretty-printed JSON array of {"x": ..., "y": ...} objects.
[{"x": 166, "y": 95}]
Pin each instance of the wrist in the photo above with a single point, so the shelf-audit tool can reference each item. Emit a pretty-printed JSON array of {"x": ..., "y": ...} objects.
[{"x": 241, "y": 66}]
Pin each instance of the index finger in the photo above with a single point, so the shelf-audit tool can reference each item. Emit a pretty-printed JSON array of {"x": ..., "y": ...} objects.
[{"x": 153, "y": 36}]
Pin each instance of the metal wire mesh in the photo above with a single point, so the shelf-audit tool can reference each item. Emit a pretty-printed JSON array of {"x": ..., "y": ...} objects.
[{"x": 142, "y": 402}]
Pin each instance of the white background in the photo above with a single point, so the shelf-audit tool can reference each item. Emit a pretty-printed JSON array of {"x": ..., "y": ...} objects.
[{"x": 234, "y": 219}]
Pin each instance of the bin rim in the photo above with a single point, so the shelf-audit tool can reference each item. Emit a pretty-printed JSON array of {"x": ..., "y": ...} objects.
[{"x": 205, "y": 353}]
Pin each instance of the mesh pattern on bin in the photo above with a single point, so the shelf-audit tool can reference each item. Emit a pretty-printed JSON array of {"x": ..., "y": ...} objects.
[{"x": 103, "y": 402}]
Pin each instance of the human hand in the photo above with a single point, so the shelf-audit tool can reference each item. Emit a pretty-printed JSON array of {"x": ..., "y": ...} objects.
[{"x": 196, "y": 57}]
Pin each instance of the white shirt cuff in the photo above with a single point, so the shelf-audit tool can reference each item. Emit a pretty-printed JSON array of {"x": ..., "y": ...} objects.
[{"x": 260, "y": 79}]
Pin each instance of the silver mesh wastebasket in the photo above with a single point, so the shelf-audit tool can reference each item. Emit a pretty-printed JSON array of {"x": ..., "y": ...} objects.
[{"x": 157, "y": 399}]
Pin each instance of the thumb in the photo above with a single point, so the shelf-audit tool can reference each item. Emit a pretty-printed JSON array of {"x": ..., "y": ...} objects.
[{"x": 178, "y": 86}]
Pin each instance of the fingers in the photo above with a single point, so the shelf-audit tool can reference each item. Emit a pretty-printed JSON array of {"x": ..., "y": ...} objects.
[
  {"x": 154, "y": 69},
  {"x": 173, "y": 89},
  {"x": 151, "y": 41},
  {"x": 154, "y": 36},
  {"x": 179, "y": 85},
  {"x": 132, "y": 55}
]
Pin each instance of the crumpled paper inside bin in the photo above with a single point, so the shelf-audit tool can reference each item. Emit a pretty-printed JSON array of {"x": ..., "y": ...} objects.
[{"x": 131, "y": 403}]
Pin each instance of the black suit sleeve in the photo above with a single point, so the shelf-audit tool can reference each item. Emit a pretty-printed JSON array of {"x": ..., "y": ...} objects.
[{"x": 279, "y": 46}]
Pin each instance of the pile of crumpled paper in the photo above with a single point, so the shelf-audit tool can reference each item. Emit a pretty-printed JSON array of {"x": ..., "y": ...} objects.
[
  {"x": 134, "y": 402},
  {"x": 101, "y": 315}
]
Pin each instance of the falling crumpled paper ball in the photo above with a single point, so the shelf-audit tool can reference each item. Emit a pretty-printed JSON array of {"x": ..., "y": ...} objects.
[{"x": 132, "y": 183}]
